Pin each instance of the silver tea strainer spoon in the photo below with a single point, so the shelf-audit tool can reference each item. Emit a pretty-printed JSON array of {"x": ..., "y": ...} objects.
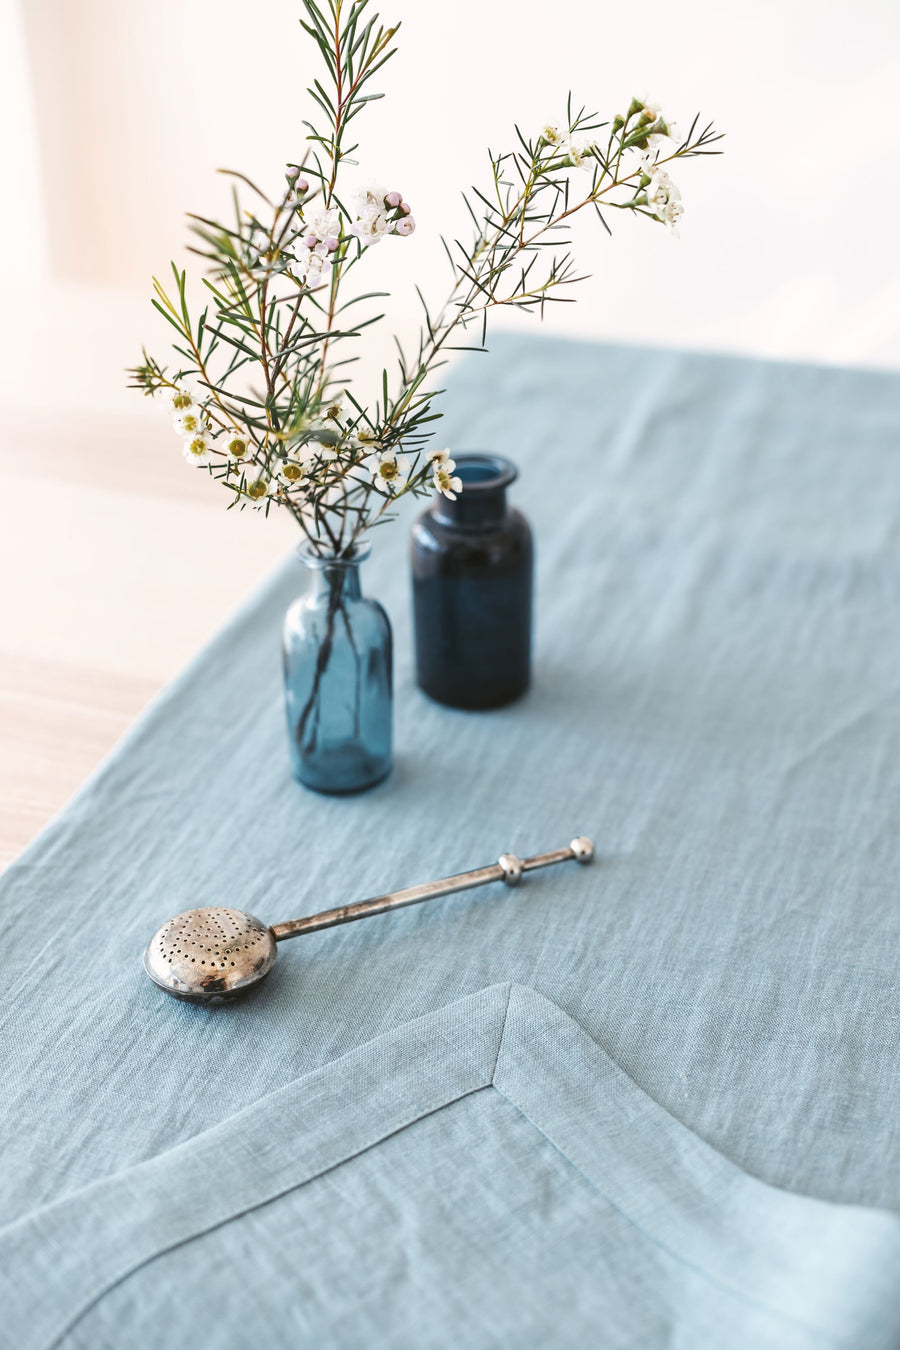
[{"x": 211, "y": 955}]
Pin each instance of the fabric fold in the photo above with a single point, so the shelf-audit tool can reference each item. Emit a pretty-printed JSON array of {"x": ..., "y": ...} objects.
[{"x": 827, "y": 1272}]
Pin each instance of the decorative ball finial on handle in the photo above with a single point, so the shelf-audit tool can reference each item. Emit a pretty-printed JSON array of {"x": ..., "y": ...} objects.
[
  {"x": 583, "y": 848},
  {"x": 512, "y": 868}
]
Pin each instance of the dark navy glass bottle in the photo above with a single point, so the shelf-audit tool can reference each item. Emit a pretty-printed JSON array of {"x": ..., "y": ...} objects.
[{"x": 472, "y": 565}]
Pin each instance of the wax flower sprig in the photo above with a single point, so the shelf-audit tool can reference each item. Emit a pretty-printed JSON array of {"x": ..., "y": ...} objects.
[{"x": 259, "y": 390}]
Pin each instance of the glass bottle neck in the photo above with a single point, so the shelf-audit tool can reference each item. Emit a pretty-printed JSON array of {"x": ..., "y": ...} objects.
[{"x": 338, "y": 578}]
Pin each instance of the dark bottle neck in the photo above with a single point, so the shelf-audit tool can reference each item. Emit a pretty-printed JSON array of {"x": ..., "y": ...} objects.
[{"x": 482, "y": 501}]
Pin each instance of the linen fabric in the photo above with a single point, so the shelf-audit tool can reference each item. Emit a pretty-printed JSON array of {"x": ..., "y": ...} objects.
[{"x": 652, "y": 1102}]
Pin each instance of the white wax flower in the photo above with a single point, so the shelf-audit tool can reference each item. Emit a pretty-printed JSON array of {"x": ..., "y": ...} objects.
[
  {"x": 371, "y": 228},
  {"x": 390, "y": 472},
  {"x": 651, "y": 111},
  {"x": 198, "y": 448},
  {"x": 258, "y": 484},
  {"x": 664, "y": 199},
  {"x": 236, "y": 445},
  {"x": 657, "y": 140},
  {"x": 674, "y": 212},
  {"x": 326, "y": 225},
  {"x": 364, "y": 439},
  {"x": 291, "y": 472},
  {"x": 368, "y": 198},
  {"x": 318, "y": 269},
  {"x": 370, "y": 223},
  {"x": 442, "y": 458},
  {"x": 445, "y": 482},
  {"x": 191, "y": 422},
  {"x": 576, "y": 153},
  {"x": 186, "y": 394},
  {"x": 312, "y": 264}
]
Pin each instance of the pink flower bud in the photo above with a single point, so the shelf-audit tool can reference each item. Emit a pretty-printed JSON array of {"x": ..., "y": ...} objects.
[
  {"x": 310, "y": 240},
  {"x": 302, "y": 185},
  {"x": 406, "y": 208},
  {"x": 393, "y": 199},
  {"x": 405, "y": 226},
  {"x": 331, "y": 245}
]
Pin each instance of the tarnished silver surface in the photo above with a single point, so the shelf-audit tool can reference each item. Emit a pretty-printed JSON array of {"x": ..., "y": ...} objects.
[
  {"x": 513, "y": 870},
  {"x": 583, "y": 849},
  {"x": 211, "y": 955}
]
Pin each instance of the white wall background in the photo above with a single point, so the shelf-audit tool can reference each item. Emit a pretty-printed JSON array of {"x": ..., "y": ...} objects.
[{"x": 116, "y": 113}]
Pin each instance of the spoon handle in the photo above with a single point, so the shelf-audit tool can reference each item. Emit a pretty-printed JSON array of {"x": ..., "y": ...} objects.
[{"x": 508, "y": 868}]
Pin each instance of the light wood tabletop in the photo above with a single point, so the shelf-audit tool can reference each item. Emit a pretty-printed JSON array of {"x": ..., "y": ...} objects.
[{"x": 119, "y": 561}]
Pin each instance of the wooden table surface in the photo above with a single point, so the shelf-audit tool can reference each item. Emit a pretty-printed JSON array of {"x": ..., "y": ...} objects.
[{"x": 119, "y": 561}]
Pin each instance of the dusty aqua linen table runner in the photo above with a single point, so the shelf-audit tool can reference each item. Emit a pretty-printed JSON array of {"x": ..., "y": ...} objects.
[{"x": 649, "y": 1104}]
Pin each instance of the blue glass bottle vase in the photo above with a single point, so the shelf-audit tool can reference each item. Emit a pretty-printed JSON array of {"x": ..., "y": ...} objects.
[
  {"x": 472, "y": 563},
  {"x": 337, "y": 652}
]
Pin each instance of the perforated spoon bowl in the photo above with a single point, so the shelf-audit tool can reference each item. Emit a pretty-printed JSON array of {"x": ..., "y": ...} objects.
[{"x": 214, "y": 954}]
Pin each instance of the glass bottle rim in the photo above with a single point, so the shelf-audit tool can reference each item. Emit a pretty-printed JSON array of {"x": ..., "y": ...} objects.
[
  {"x": 308, "y": 555},
  {"x": 489, "y": 472}
]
